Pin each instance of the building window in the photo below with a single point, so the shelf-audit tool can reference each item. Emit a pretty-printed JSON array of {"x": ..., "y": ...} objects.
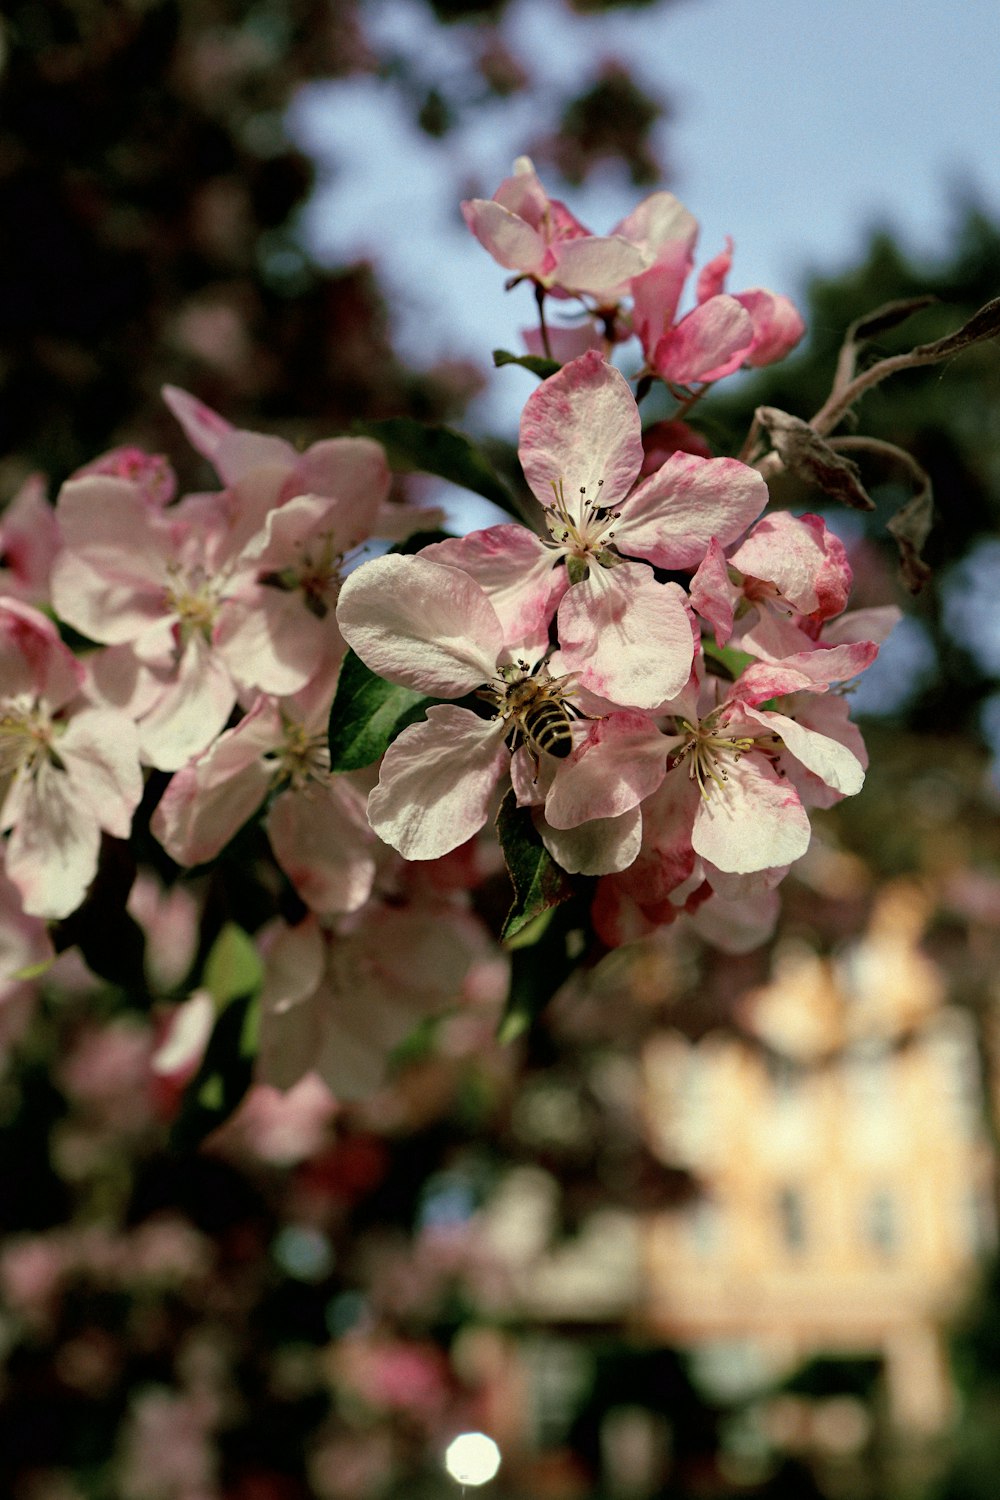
[
  {"x": 792, "y": 1219},
  {"x": 880, "y": 1223}
]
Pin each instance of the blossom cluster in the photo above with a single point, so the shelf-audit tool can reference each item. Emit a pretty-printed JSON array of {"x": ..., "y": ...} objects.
[{"x": 654, "y": 671}]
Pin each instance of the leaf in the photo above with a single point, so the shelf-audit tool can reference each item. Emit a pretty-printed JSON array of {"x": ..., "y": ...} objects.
[
  {"x": 536, "y": 363},
  {"x": 890, "y": 315},
  {"x": 733, "y": 662},
  {"x": 538, "y": 881},
  {"x": 984, "y": 324},
  {"x": 222, "y": 1080},
  {"x": 410, "y": 444},
  {"x": 537, "y": 972},
  {"x": 233, "y": 968},
  {"x": 910, "y": 527},
  {"x": 367, "y": 715},
  {"x": 805, "y": 454}
]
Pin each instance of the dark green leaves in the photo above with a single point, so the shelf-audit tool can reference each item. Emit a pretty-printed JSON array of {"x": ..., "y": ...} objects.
[
  {"x": 536, "y": 363},
  {"x": 367, "y": 715},
  {"x": 438, "y": 450},
  {"x": 233, "y": 975},
  {"x": 538, "y": 881}
]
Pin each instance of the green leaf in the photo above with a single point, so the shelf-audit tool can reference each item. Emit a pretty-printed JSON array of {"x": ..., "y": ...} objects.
[
  {"x": 536, "y": 973},
  {"x": 536, "y": 363},
  {"x": 233, "y": 968},
  {"x": 538, "y": 881},
  {"x": 222, "y": 1080},
  {"x": 733, "y": 662},
  {"x": 438, "y": 450},
  {"x": 367, "y": 715},
  {"x": 33, "y": 971}
]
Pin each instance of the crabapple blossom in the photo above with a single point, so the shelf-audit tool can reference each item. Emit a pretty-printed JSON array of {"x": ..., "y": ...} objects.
[
  {"x": 790, "y": 567},
  {"x": 68, "y": 770},
  {"x": 315, "y": 822},
  {"x": 430, "y": 627},
  {"x": 338, "y": 1003},
  {"x": 626, "y": 636},
  {"x": 527, "y": 231},
  {"x": 220, "y": 594}
]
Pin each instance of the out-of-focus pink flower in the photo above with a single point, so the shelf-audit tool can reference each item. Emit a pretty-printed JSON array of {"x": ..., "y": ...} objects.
[
  {"x": 285, "y": 1126},
  {"x": 169, "y": 918},
  {"x": 70, "y": 770},
  {"x": 527, "y": 231},
  {"x": 316, "y": 821},
  {"x": 151, "y": 472},
  {"x": 789, "y": 568},
  {"x": 340, "y": 1005},
  {"x": 29, "y": 541}
]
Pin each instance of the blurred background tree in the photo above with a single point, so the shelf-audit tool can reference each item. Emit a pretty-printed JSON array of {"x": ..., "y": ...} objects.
[{"x": 300, "y": 1311}]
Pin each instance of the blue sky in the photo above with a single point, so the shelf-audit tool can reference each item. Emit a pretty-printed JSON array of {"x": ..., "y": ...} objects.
[{"x": 798, "y": 127}]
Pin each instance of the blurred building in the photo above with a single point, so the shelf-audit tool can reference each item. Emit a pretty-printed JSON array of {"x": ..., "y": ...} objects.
[{"x": 846, "y": 1169}]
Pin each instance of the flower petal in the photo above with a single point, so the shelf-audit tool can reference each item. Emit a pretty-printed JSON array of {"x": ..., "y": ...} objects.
[
  {"x": 621, "y": 762},
  {"x": 516, "y": 571},
  {"x": 752, "y": 822},
  {"x": 208, "y": 801},
  {"x": 421, "y": 625},
  {"x": 581, "y": 428},
  {"x": 437, "y": 782},
  {"x": 321, "y": 840},
  {"x": 626, "y": 636},
  {"x": 673, "y": 515},
  {"x": 708, "y": 343},
  {"x": 601, "y": 846}
]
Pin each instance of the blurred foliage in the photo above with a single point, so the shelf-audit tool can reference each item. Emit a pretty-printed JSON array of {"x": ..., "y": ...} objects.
[
  {"x": 947, "y": 417},
  {"x": 149, "y": 195}
]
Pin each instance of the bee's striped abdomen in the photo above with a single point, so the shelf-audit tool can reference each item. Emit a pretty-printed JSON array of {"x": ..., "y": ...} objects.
[{"x": 547, "y": 728}]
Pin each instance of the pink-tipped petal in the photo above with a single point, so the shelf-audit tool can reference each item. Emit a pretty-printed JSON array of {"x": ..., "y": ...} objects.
[
  {"x": 580, "y": 429},
  {"x": 437, "y": 782},
  {"x": 710, "y": 342},
  {"x": 672, "y": 516},
  {"x": 627, "y": 636},
  {"x": 620, "y": 764},
  {"x": 421, "y": 624}
]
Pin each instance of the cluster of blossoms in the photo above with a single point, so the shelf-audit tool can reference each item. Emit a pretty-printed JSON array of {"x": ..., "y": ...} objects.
[{"x": 655, "y": 671}]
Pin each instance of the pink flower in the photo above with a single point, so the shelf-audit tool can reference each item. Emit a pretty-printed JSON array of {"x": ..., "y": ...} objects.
[
  {"x": 68, "y": 770},
  {"x": 529, "y": 232},
  {"x": 338, "y": 1004},
  {"x": 720, "y": 334},
  {"x": 429, "y": 627},
  {"x": 218, "y": 594},
  {"x": 789, "y": 569},
  {"x": 29, "y": 540},
  {"x": 315, "y": 822},
  {"x": 627, "y": 637}
]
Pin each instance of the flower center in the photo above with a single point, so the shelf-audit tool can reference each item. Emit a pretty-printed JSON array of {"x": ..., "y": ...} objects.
[
  {"x": 316, "y": 573},
  {"x": 584, "y": 530},
  {"x": 26, "y": 739},
  {"x": 709, "y": 754},
  {"x": 194, "y": 599},
  {"x": 303, "y": 759}
]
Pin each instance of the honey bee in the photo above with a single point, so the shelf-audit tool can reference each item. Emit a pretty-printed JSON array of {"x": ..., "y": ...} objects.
[{"x": 536, "y": 707}]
